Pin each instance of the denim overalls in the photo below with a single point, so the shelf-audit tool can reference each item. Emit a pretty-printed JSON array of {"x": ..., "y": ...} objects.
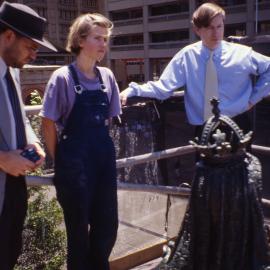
[{"x": 85, "y": 180}]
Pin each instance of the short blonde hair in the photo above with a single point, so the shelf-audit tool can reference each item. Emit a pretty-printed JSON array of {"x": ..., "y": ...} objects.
[
  {"x": 205, "y": 13},
  {"x": 82, "y": 27}
]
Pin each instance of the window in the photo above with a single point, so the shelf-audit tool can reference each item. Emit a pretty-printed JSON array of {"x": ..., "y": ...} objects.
[
  {"x": 225, "y": 3},
  {"x": 90, "y": 3},
  {"x": 166, "y": 36},
  {"x": 235, "y": 30},
  {"x": 64, "y": 28},
  {"x": 42, "y": 12},
  {"x": 128, "y": 39},
  {"x": 264, "y": 27},
  {"x": 67, "y": 2},
  {"x": 169, "y": 8},
  {"x": 126, "y": 14},
  {"x": 135, "y": 78},
  {"x": 158, "y": 66},
  {"x": 67, "y": 14}
]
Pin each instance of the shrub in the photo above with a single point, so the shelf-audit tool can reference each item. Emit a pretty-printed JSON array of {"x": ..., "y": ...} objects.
[
  {"x": 44, "y": 240},
  {"x": 43, "y": 236}
]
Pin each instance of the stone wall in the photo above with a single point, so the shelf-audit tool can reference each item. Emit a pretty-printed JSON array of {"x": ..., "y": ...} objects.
[{"x": 35, "y": 78}]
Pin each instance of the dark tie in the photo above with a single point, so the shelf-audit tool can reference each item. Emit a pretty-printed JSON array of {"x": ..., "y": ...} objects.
[{"x": 16, "y": 108}]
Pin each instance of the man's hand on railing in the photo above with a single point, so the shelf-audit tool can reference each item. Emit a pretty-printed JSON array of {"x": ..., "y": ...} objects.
[{"x": 124, "y": 97}]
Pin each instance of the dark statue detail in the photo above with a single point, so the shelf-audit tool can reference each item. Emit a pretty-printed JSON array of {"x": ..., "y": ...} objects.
[
  {"x": 223, "y": 227},
  {"x": 219, "y": 146}
]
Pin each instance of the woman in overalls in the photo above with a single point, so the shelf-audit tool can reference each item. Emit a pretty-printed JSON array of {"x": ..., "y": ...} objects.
[{"x": 79, "y": 101}]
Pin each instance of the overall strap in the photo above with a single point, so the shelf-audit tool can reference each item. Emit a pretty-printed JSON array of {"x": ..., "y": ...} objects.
[
  {"x": 77, "y": 87},
  {"x": 102, "y": 85}
]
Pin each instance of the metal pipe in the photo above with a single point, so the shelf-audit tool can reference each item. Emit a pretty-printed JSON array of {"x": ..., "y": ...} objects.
[
  {"x": 172, "y": 152},
  {"x": 167, "y": 190}
]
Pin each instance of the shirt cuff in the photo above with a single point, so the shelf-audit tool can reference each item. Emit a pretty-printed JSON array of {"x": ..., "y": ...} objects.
[{"x": 132, "y": 90}]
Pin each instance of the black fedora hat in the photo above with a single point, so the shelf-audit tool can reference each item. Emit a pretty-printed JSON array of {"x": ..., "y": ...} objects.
[{"x": 25, "y": 21}]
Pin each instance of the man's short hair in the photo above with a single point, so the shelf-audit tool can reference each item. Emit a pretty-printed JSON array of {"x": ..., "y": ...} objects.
[{"x": 205, "y": 13}]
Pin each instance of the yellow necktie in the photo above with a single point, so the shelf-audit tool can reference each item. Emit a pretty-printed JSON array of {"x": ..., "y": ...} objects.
[{"x": 211, "y": 86}]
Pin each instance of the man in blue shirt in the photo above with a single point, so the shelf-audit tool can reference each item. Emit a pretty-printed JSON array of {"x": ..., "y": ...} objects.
[{"x": 234, "y": 64}]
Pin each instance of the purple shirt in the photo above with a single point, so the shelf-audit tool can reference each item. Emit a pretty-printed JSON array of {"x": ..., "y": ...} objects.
[{"x": 60, "y": 96}]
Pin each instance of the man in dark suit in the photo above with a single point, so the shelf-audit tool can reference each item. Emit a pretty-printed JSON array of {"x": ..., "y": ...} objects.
[{"x": 21, "y": 34}]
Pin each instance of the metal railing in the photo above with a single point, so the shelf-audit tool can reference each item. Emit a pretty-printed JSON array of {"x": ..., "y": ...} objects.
[
  {"x": 139, "y": 159},
  {"x": 126, "y": 162}
]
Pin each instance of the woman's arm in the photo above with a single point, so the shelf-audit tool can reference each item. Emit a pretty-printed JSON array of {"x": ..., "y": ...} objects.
[{"x": 50, "y": 135}]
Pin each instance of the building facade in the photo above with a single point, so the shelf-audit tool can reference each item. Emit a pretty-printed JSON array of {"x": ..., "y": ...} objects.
[
  {"x": 148, "y": 33},
  {"x": 59, "y": 15}
]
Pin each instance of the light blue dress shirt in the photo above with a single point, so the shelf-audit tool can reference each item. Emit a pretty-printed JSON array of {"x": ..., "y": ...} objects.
[{"x": 234, "y": 63}]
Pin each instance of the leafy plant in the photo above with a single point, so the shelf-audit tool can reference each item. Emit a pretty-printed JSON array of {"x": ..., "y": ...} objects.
[
  {"x": 43, "y": 237},
  {"x": 44, "y": 240},
  {"x": 35, "y": 98}
]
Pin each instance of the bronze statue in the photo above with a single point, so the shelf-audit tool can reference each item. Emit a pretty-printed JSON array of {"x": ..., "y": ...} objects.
[{"x": 223, "y": 228}]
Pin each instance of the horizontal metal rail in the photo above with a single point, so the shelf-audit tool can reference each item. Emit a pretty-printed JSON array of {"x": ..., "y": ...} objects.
[
  {"x": 172, "y": 152},
  {"x": 258, "y": 149},
  {"x": 172, "y": 190},
  {"x": 32, "y": 109},
  {"x": 131, "y": 161},
  {"x": 121, "y": 163},
  {"x": 167, "y": 190},
  {"x": 139, "y": 159}
]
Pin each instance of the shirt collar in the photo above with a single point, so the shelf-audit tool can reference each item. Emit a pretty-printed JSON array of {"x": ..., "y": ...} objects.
[
  {"x": 3, "y": 68},
  {"x": 217, "y": 50}
]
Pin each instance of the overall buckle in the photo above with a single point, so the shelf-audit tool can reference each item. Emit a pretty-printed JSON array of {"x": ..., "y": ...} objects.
[
  {"x": 103, "y": 88},
  {"x": 78, "y": 89}
]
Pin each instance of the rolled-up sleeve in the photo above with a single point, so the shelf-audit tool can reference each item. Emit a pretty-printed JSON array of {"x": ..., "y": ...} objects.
[
  {"x": 261, "y": 67},
  {"x": 172, "y": 78},
  {"x": 54, "y": 98},
  {"x": 115, "y": 105}
]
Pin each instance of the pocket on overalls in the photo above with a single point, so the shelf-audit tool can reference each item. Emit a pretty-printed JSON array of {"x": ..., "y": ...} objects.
[{"x": 69, "y": 165}]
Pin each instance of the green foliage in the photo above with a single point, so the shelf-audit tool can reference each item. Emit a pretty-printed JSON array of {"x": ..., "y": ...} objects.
[
  {"x": 35, "y": 98},
  {"x": 35, "y": 121},
  {"x": 43, "y": 236},
  {"x": 44, "y": 240}
]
